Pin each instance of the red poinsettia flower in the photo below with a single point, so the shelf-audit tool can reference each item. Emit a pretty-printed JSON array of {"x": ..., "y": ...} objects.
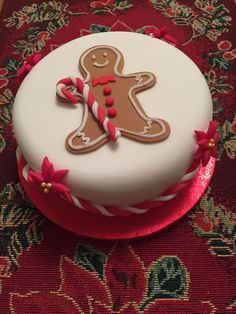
[
  {"x": 161, "y": 34},
  {"x": 207, "y": 143},
  {"x": 118, "y": 286},
  {"x": 3, "y": 81},
  {"x": 29, "y": 64},
  {"x": 49, "y": 179}
]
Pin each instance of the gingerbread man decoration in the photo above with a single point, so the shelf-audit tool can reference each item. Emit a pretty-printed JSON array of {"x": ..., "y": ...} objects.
[{"x": 111, "y": 107}]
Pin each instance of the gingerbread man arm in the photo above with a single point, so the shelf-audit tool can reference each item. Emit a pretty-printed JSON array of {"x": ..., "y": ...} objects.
[{"x": 143, "y": 80}]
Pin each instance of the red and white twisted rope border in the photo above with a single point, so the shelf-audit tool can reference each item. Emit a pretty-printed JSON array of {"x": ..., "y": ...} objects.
[{"x": 108, "y": 210}]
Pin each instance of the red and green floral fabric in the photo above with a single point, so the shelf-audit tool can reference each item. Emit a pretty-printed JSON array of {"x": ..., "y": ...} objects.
[{"x": 189, "y": 267}]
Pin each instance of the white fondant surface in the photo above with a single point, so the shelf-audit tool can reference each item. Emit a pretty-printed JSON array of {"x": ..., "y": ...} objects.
[{"x": 125, "y": 172}]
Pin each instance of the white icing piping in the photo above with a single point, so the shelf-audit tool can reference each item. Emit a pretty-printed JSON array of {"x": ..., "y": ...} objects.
[
  {"x": 101, "y": 65},
  {"x": 84, "y": 138},
  {"x": 147, "y": 127}
]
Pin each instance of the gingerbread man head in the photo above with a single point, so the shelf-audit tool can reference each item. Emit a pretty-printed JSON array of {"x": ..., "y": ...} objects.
[{"x": 101, "y": 60}]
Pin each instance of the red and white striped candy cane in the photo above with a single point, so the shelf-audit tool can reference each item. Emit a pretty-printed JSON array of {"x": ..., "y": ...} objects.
[{"x": 98, "y": 112}]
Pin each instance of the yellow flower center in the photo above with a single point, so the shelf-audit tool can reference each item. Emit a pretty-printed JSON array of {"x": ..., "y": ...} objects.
[
  {"x": 46, "y": 186},
  {"x": 211, "y": 143}
]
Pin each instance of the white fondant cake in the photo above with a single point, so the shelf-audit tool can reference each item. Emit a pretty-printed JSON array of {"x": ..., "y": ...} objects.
[{"x": 127, "y": 171}]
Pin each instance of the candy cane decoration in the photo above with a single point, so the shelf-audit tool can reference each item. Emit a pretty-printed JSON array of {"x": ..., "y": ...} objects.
[{"x": 84, "y": 90}]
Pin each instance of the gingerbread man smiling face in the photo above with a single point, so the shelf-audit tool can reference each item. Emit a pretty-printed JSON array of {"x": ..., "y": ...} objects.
[
  {"x": 115, "y": 93},
  {"x": 98, "y": 61}
]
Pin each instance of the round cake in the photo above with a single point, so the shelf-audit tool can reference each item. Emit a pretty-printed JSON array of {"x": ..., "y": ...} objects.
[{"x": 108, "y": 122}]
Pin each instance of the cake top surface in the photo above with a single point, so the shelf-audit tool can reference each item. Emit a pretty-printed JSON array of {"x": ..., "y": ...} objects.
[{"x": 127, "y": 171}]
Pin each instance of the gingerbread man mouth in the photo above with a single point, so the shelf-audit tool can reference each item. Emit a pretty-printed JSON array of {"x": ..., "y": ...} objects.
[{"x": 101, "y": 65}]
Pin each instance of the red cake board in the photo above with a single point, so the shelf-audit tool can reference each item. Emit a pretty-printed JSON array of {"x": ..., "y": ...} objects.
[{"x": 90, "y": 225}]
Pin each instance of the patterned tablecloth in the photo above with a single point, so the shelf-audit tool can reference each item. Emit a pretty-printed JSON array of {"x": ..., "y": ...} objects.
[{"x": 188, "y": 268}]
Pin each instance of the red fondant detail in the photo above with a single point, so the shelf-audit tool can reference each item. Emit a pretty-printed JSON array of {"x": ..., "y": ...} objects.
[
  {"x": 101, "y": 115},
  {"x": 149, "y": 204},
  {"x": 112, "y": 131},
  {"x": 80, "y": 84},
  {"x": 109, "y": 101},
  {"x": 49, "y": 175},
  {"x": 90, "y": 100},
  {"x": 107, "y": 90},
  {"x": 193, "y": 166},
  {"x": 161, "y": 34},
  {"x": 112, "y": 112},
  {"x": 204, "y": 152},
  {"x": 69, "y": 96},
  {"x": 29, "y": 64},
  {"x": 171, "y": 40},
  {"x": 101, "y": 80},
  {"x": 176, "y": 189},
  {"x": 66, "y": 81}
]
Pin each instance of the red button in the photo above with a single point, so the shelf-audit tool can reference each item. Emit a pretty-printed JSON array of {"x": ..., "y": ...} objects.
[
  {"x": 106, "y": 90},
  {"x": 112, "y": 112},
  {"x": 109, "y": 101}
]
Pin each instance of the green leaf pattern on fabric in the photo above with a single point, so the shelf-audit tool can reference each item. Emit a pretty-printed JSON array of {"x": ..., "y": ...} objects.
[
  {"x": 212, "y": 22},
  {"x": 48, "y": 18},
  {"x": 96, "y": 28},
  {"x": 168, "y": 278},
  {"x": 90, "y": 258},
  {"x": 216, "y": 224},
  {"x": 19, "y": 224}
]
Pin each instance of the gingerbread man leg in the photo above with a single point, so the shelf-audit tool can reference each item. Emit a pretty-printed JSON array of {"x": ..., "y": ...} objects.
[{"x": 88, "y": 136}]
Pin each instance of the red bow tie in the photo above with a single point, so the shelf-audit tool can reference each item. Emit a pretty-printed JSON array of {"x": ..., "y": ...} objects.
[{"x": 101, "y": 80}]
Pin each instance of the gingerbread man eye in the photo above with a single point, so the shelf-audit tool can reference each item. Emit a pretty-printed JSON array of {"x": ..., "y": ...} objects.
[
  {"x": 104, "y": 54},
  {"x": 93, "y": 57}
]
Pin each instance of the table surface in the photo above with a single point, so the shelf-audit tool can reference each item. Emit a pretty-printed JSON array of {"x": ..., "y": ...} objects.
[{"x": 188, "y": 268}]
